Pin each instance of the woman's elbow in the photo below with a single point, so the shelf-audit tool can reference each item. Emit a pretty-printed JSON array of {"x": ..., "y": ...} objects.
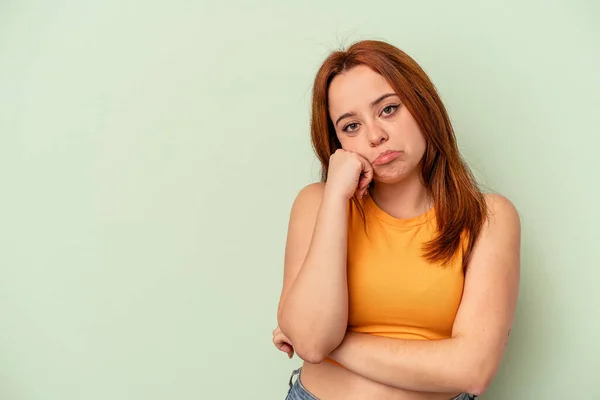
[
  {"x": 481, "y": 377},
  {"x": 307, "y": 348},
  {"x": 478, "y": 386},
  {"x": 312, "y": 355},
  {"x": 312, "y": 351},
  {"x": 310, "y": 347}
]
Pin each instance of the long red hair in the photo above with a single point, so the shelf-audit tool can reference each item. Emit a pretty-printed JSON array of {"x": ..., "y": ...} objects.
[{"x": 459, "y": 203}]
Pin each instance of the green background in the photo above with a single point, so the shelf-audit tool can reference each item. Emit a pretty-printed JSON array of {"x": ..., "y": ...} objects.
[{"x": 150, "y": 153}]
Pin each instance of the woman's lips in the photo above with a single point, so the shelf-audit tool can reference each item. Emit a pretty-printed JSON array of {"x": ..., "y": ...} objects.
[{"x": 386, "y": 157}]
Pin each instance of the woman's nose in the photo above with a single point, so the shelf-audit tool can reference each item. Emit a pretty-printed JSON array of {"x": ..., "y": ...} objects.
[{"x": 377, "y": 136}]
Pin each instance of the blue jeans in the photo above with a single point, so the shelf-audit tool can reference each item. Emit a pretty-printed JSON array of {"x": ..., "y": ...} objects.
[{"x": 297, "y": 390}]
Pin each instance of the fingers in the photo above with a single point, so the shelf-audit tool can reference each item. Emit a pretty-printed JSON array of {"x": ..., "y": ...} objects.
[
  {"x": 282, "y": 342},
  {"x": 366, "y": 177},
  {"x": 286, "y": 348}
]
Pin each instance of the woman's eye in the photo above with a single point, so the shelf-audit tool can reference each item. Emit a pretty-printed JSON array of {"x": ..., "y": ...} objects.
[
  {"x": 350, "y": 127},
  {"x": 389, "y": 109}
]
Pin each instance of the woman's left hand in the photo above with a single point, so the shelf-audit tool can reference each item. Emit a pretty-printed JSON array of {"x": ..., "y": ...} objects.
[{"x": 282, "y": 342}]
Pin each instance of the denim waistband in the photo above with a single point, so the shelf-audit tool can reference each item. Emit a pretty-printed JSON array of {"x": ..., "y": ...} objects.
[{"x": 297, "y": 391}]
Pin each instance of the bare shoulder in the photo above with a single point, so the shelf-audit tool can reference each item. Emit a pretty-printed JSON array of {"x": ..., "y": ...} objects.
[
  {"x": 309, "y": 197},
  {"x": 502, "y": 214},
  {"x": 500, "y": 236},
  {"x": 302, "y": 218}
]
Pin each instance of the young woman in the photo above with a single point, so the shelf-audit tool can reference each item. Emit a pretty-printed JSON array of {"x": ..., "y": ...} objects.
[{"x": 401, "y": 277}]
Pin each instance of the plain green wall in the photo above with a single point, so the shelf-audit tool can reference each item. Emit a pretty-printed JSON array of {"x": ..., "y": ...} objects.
[{"x": 150, "y": 153}]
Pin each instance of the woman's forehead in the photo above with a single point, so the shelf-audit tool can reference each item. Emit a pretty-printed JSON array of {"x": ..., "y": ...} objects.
[{"x": 356, "y": 88}]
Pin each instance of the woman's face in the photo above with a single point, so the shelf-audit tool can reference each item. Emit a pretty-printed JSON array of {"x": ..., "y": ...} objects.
[{"x": 370, "y": 119}]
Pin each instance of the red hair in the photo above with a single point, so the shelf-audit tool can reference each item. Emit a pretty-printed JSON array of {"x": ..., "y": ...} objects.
[{"x": 459, "y": 204}]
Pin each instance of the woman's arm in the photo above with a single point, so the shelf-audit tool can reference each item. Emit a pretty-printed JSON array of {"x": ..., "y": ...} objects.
[
  {"x": 313, "y": 308},
  {"x": 468, "y": 360}
]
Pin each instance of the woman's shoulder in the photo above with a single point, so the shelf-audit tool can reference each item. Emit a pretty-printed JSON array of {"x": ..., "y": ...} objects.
[
  {"x": 314, "y": 189},
  {"x": 502, "y": 224},
  {"x": 310, "y": 195},
  {"x": 499, "y": 206},
  {"x": 308, "y": 200}
]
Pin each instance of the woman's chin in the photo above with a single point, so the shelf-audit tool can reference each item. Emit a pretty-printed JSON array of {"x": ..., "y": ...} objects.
[
  {"x": 392, "y": 178},
  {"x": 388, "y": 180}
]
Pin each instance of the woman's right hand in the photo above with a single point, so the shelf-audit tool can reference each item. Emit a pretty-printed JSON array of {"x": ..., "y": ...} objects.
[
  {"x": 349, "y": 173},
  {"x": 282, "y": 342}
]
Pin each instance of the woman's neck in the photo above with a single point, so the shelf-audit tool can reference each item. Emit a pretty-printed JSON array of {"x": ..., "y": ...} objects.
[{"x": 405, "y": 199}]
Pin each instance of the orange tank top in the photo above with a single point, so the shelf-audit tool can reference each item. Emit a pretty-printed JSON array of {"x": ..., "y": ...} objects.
[{"x": 392, "y": 290}]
